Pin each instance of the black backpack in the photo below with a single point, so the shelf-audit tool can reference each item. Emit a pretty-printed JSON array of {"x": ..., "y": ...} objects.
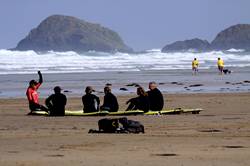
[
  {"x": 131, "y": 126},
  {"x": 118, "y": 125}
]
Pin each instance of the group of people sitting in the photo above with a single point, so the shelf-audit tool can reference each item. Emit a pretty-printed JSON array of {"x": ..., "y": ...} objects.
[{"x": 55, "y": 103}]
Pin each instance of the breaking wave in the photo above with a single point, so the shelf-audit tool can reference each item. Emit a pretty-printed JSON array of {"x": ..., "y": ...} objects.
[{"x": 24, "y": 62}]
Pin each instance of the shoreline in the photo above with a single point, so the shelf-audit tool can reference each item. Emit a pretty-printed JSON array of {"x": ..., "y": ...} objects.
[{"x": 170, "y": 82}]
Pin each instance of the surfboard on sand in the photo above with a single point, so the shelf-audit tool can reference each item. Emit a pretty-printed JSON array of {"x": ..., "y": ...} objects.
[
  {"x": 126, "y": 113},
  {"x": 81, "y": 113},
  {"x": 38, "y": 113},
  {"x": 152, "y": 113},
  {"x": 192, "y": 111},
  {"x": 171, "y": 111},
  {"x": 72, "y": 113},
  {"x": 175, "y": 111}
]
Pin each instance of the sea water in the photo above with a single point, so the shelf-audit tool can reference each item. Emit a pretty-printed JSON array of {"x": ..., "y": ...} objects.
[{"x": 25, "y": 62}]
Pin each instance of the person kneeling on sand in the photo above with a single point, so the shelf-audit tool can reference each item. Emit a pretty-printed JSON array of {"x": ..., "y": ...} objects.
[
  {"x": 155, "y": 97},
  {"x": 90, "y": 101},
  {"x": 33, "y": 96},
  {"x": 139, "y": 103},
  {"x": 110, "y": 101},
  {"x": 56, "y": 102}
]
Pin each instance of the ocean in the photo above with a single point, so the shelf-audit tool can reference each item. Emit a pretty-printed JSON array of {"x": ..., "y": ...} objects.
[{"x": 26, "y": 62}]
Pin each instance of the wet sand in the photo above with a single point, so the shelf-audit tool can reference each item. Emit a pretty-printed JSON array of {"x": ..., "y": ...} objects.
[
  {"x": 217, "y": 136},
  {"x": 171, "y": 82}
]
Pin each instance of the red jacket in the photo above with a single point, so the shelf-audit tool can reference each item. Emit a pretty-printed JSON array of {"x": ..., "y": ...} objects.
[{"x": 32, "y": 94}]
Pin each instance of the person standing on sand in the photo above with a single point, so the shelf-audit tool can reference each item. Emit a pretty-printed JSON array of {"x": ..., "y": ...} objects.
[
  {"x": 32, "y": 94},
  {"x": 56, "y": 102},
  {"x": 139, "y": 103},
  {"x": 110, "y": 101},
  {"x": 156, "y": 100},
  {"x": 195, "y": 64},
  {"x": 220, "y": 64},
  {"x": 90, "y": 101}
]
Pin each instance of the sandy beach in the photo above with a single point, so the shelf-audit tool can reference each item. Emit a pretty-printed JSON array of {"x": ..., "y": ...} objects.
[{"x": 217, "y": 136}]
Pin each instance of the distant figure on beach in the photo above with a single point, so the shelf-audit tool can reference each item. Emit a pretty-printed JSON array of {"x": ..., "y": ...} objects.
[
  {"x": 90, "y": 101},
  {"x": 139, "y": 103},
  {"x": 195, "y": 64},
  {"x": 220, "y": 64},
  {"x": 110, "y": 101},
  {"x": 33, "y": 96},
  {"x": 155, "y": 97},
  {"x": 56, "y": 102}
]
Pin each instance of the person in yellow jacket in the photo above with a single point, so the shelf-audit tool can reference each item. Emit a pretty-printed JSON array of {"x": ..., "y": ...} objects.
[
  {"x": 195, "y": 65},
  {"x": 220, "y": 64}
]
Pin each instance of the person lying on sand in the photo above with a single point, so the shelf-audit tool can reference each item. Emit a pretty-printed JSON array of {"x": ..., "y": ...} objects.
[
  {"x": 155, "y": 97},
  {"x": 139, "y": 103},
  {"x": 110, "y": 101},
  {"x": 56, "y": 102},
  {"x": 33, "y": 96},
  {"x": 90, "y": 101},
  {"x": 195, "y": 64}
]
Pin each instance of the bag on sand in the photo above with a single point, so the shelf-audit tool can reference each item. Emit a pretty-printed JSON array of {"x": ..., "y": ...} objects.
[{"x": 118, "y": 125}]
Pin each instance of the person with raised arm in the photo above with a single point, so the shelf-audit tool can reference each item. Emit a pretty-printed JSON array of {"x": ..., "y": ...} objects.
[{"x": 33, "y": 96}]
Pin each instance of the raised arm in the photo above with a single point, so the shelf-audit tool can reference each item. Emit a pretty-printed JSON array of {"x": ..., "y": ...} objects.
[{"x": 40, "y": 77}]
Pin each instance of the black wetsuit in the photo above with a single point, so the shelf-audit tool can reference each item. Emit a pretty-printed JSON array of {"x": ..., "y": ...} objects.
[
  {"x": 139, "y": 103},
  {"x": 110, "y": 103},
  {"x": 91, "y": 103},
  {"x": 156, "y": 100},
  {"x": 56, "y": 104}
]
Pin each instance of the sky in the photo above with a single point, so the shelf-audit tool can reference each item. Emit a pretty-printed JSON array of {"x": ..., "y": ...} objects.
[{"x": 142, "y": 24}]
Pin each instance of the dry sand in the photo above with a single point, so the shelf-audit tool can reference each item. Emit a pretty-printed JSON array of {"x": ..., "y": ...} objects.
[{"x": 218, "y": 136}]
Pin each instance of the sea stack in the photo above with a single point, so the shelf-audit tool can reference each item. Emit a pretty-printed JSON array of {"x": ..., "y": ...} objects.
[
  {"x": 237, "y": 36},
  {"x": 66, "y": 33},
  {"x": 187, "y": 45}
]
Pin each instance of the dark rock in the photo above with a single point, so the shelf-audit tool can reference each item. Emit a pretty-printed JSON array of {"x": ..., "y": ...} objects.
[
  {"x": 246, "y": 81},
  {"x": 237, "y": 83},
  {"x": 66, "y": 33},
  {"x": 196, "y": 85},
  {"x": 67, "y": 91},
  {"x": 193, "y": 44},
  {"x": 177, "y": 83},
  {"x": 123, "y": 89},
  {"x": 237, "y": 36},
  {"x": 133, "y": 84}
]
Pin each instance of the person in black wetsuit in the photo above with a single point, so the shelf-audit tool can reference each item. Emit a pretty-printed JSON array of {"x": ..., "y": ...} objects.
[
  {"x": 155, "y": 97},
  {"x": 110, "y": 101},
  {"x": 90, "y": 102},
  {"x": 56, "y": 103},
  {"x": 139, "y": 103}
]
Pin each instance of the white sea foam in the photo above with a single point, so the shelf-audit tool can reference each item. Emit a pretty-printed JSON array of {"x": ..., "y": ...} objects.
[
  {"x": 16, "y": 62},
  {"x": 235, "y": 50}
]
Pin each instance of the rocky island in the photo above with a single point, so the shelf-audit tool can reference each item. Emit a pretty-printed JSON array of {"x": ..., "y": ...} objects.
[
  {"x": 193, "y": 44},
  {"x": 66, "y": 33},
  {"x": 237, "y": 37}
]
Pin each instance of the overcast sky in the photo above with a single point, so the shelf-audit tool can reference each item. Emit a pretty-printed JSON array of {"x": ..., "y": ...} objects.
[{"x": 143, "y": 24}]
